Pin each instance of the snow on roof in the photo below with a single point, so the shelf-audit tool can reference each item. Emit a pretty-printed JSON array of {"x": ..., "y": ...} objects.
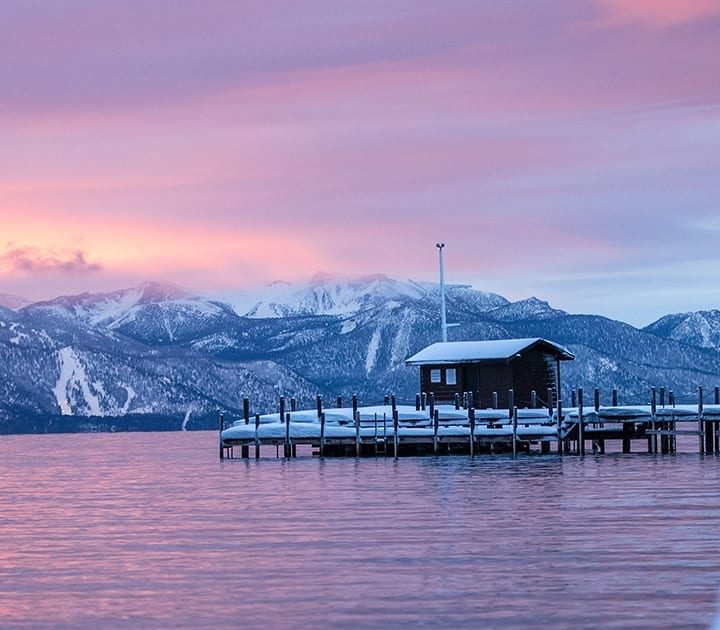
[{"x": 475, "y": 351}]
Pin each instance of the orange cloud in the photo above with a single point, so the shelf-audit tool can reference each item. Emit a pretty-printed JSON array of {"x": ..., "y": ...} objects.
[{"x": 657, "y": 13}]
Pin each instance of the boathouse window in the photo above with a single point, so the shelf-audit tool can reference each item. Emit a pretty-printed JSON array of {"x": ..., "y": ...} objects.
[
  {"x": 435, "y": 376},
  {"x": 451, "y": 376}
]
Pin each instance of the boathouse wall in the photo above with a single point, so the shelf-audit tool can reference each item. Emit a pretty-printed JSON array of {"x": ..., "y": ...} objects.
[{"x": 532, "y": 370}]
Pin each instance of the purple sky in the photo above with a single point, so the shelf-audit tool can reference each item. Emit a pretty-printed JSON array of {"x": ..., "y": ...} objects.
[{"x": 568, "y": 149}]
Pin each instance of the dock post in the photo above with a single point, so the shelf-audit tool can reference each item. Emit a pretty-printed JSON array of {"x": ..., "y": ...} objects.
[
  {"x": 318, "y": 402},
  {"x": 581, "y": 428},
  {"x": 511, "y": 402},
  {"x": 354, "y": 403},
  {"x": 322, "y": 435},
  {"x": 396, "y": 437},
  {"x": 709, "y": 437},
  {"x": 339, "y": 402},
  {"x": 221, "y": 421},
  {"x": 627, "y": 437},
  {"x": 356, "y": 418},
  {"x": 550, "y": 401},
  {"x": 600, "y": 442},
  {"x": 533, "y": 399},
  {"x": 514, "y": 430},
  {"x": 417, "y": 402},
  {"x": 464, "y": 400},
  {"x": 436, "y": 426},
  {"x": 457, "y": 401},
  {"x": 471, "y": 398},
  {"x": 257, "y": 437},
  {"x": 245, "y": 450},
  {"x": 652, "y": 440},
  {"x": 495, "y": 400},
  {"x": 386, "y": 400},
  {"x": 293, "y": 404},
  {"x": 471, "y": 418},
  {"x": 423, "y": 401},
  {"x": 559, "y": 420},
  {"x": 614, "y": 399},
  {"x": 431, "y": 405},
  {"x": 700, "y": 422},
  {"x": 288, "y": 443}
]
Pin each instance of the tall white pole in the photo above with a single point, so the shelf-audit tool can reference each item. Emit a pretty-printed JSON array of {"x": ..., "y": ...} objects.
[{"x": 443, "y": 319}]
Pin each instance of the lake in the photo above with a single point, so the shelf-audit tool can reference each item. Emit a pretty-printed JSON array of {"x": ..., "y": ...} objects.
[{"x": 151, "y": 530}]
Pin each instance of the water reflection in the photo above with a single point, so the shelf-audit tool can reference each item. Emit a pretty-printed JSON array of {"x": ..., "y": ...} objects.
[{"x": 130, "y": 530}]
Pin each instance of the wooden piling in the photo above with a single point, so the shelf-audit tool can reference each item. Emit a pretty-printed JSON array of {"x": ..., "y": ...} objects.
[
  {"x": 533, "y": 399},
  {"x": 423, "y": 401},
  {"x": 511, "y": 402},
  {"x": 581, "y": 428},
  {"x": 356, "y": 418},
  {"x": 701, "y": 432},
  {"x": 495, "y": 400},
  {"x": 245, "y": 450},
  {"x": 436, "y": 426},
  {"x": 471, "y": 418},
  {"x": 393, "y": 402},
  {"x": 471, "y": 399},
  {"x": 257, "y": 436},
  {"x": 457, "y": 401},
  {"x": 386, "y": 400},
  {"x": 354, "y": 403},
  {"x": 614, "y": 397},
  {"x": 319, "y": 405},
  {"x": 322, "y": 435},
  {"x": 221, "y": 422},
  {"x": 417, "y": 402},
  {"x": 550, "y": 401},
  {"x": 293, "y": 404},
  {"x": 514, "y": 430},
  {"x": 652, "y": 440},
  {"x": 396, "y": 437},
  {"x": 559, "y": 424},
  {"x": 288, "y": 444},
  {"x": 432, "y": 405}
]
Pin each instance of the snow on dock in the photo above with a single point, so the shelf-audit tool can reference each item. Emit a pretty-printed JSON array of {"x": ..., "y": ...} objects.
[{"x": 445, "y": 429}]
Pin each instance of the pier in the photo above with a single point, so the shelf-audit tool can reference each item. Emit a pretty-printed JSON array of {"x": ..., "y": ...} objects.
[{"x": 427, "y": 428}]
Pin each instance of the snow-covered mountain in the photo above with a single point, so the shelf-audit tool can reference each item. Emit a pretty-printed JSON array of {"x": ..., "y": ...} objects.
[
  {"x": 13, "y": 302},
  {"x": 328, "y": 295},
  {"x": 700, "y": 328},
  {"x": 155, "y": 356}
]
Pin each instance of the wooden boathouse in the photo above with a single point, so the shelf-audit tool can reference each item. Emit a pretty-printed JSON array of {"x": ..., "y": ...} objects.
[{"x": 490, "y": 369}]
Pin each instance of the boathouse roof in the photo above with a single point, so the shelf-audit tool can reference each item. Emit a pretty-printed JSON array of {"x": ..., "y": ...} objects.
[{"x": 480, "y": 351}]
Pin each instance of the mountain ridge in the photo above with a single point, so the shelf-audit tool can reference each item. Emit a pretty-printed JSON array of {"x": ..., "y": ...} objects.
[{"x": 156, "y": 352}]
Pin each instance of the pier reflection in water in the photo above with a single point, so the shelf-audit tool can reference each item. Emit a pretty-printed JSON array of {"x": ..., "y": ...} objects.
[{"x": 151, "y": 530}]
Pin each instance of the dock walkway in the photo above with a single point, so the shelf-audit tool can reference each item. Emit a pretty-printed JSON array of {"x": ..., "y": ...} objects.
[{"x": 398, "y": 430}]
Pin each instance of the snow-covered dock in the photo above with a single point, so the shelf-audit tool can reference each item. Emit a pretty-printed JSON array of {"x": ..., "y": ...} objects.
[{"x": 395, "y": 430}]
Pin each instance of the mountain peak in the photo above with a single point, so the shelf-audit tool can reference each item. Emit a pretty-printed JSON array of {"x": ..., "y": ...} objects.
[
  {"x": 13, "y": 302},
  {"x": 529, "y": 308},
  {"x": 153, "y": 291}
]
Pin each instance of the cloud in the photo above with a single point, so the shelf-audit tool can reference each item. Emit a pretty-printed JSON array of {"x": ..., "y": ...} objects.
[
  {"x": 657, "y": 13},
  {"x": 30, "y": 260}
]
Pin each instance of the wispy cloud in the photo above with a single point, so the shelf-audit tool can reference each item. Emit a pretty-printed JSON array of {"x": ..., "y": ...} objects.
[
  {"x": 32, "y": 260},
  {"x": 657, "y": 13}
]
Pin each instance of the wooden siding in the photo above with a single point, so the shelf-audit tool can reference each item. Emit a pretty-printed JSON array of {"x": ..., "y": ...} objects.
[{"x": 533, "y": 370}]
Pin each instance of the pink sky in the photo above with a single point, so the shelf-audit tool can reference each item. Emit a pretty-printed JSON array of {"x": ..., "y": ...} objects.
[{"x": 561, "y": 148}]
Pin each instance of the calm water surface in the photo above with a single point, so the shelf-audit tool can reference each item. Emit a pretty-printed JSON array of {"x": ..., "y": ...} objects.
[{"x": 150, "y": 530}]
